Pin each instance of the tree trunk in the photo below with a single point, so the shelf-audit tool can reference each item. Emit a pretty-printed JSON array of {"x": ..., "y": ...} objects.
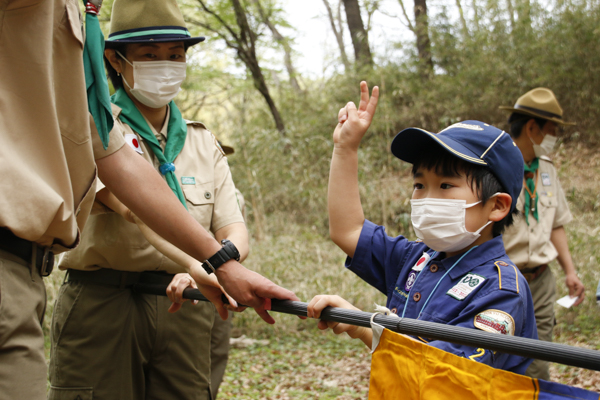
[
  {"x": 360, "y": 39},
  {"x": 423, "y": 43},
  {"x": 511, "y": 13},
  {"x": 279, "y": 38},
  {"x": 463, "y": 22},
  {"x": 339, "y": 35}
]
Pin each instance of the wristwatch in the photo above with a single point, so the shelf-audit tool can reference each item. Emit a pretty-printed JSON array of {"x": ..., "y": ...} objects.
[{"x": 228, "y": 252}]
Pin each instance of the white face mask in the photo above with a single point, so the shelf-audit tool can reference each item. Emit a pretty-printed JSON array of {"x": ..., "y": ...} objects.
[
  {"x": 156, "y": 83},
  {"x": 440, "y": 223},
  {"x": 546, "y": 147}
]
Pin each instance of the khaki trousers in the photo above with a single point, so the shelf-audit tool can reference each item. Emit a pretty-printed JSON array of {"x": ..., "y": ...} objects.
[
  {"x": 543, "y": 291},
  {"x": 22, "y": 305},
  {"x": 112, "y": 344},
  {"x": 219, "y": 351}
]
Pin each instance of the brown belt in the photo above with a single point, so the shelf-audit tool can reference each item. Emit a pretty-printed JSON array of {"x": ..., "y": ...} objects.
[
  {"x": 120, "y": 279},
  {"x": 532, "y": 273},
  {"x": 27, "y": 251}
]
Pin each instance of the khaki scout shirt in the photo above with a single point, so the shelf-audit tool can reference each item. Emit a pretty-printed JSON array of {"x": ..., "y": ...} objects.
[
  {"x": 109, "y": 241},
  {"x": 47, "y": 154},
  {"x": 529, "y": 246}
]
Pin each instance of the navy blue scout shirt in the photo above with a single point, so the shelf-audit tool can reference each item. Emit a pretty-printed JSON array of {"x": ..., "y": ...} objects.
[{"x": 483, "y": 289}]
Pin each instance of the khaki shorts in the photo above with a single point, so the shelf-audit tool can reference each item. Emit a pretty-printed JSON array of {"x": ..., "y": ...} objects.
[
  {"x": 22, "y": 305},
  {"x": 110, "y": 344}
]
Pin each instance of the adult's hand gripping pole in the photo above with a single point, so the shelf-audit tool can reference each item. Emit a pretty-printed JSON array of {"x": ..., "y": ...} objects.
[{"x": 548, "y": 351}]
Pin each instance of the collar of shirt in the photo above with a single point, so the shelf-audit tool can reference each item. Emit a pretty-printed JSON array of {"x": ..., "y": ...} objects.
[{"x": 483, "y": 253}]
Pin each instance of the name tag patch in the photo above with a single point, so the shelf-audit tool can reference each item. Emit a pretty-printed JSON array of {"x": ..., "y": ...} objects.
[
  {"x": 495, "y": 321},
  {"x": 546, "y": 179},
  {"x": 188, "y": 180},
  {"x": 465, "y": 286},
  {"x": 133, "y": 142}
]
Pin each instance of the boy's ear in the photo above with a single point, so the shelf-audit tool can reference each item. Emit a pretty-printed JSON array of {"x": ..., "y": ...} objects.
[{"x": 501, "y": 208}]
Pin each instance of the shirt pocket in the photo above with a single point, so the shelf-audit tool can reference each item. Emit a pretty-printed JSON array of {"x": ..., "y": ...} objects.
[
  {"x": 200, "y": 200},
  {"x": 547, "y": 211}
]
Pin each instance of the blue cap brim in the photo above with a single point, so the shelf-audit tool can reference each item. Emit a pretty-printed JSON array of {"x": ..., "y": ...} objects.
[{"x": 411, "y": 143}]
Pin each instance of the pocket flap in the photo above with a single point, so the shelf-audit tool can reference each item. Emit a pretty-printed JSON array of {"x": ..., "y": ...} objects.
[{"x": 201, "y": 193}]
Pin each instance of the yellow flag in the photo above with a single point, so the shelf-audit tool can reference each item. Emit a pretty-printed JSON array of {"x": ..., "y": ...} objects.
[{"x": 402, "y": 368}]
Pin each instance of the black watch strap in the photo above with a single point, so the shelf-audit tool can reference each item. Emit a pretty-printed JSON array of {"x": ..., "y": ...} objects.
[{"x": 227, "y": 252}]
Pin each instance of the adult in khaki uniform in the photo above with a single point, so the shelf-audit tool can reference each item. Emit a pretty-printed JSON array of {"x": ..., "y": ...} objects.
[
  {"x": 147, "y": 352},
  {"x": 538, "y": 236},
  {"x": 221, "y": 330},
  {"x": 49, "y": 157}
]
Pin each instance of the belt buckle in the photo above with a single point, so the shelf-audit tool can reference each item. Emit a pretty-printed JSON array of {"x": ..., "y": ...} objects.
[
  {"x": 528, "y": 276},
  {"x": 47, "y": 262}
]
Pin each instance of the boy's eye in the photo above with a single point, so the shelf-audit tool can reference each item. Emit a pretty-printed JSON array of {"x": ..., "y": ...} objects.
[
  {"x": 418, "y": 186},
  {"x": 446, "y": 186}
]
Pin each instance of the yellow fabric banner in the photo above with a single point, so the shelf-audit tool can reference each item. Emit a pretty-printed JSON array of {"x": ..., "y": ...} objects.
[{"x": 402, "y": 368}]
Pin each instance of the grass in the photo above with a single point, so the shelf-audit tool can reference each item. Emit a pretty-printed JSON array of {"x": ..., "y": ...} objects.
[{"x": 300, "y": 362}]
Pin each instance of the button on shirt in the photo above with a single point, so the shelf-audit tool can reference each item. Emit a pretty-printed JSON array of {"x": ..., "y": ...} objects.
[
  {"x": 529, "y": 246},
  {"x": 484, "y": 282}
]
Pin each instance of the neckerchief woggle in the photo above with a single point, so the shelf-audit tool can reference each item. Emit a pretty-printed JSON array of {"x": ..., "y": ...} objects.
[
  {"x": 95, "y": 77},
  {"x": 177, "y": 130},
  {"x": 530, "y": 182}
]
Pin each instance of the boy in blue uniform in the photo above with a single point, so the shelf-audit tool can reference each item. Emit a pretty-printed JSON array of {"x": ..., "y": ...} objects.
[{"x": 466, "y": 182}]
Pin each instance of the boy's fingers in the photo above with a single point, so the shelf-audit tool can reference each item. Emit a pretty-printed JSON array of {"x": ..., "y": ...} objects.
[
  {"x": 364, "y": 96},
  {"x": 342, "y": 115},
  {"x": 352, "y": 111},
  {"x": 372, "y": 106}
]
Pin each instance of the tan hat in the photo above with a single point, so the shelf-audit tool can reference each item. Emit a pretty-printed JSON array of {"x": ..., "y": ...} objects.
[
  {"x": 539, "y": 103},
  {"x": 142, "y": 21}
]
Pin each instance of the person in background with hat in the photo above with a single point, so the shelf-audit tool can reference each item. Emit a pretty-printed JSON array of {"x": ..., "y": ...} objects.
[
  {"x": 464, "y": 181},
  {"x": 538, "y": 234},
  {"x": 107, "y": 339},
  {"x": 51, "y": 155}
]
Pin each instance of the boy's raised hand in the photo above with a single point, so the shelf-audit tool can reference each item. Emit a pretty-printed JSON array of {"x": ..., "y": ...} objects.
[{"x": 353, "y": 122}]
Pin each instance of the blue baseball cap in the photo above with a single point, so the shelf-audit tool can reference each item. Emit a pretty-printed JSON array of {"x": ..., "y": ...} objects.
[{"x": 474, "y": 142}]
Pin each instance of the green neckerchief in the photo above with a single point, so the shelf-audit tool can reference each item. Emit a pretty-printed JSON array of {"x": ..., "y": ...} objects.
[
  {"x": 531, "y": 196},
  {"x": 95, "y": 77},
  {"x": 177, "y": 132}
]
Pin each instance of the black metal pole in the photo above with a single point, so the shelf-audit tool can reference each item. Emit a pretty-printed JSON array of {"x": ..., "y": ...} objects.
[{"x": 548, "y": 351}]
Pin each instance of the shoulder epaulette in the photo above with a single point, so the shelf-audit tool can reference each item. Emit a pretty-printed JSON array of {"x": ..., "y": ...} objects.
[
  {"x": 508, "y": 276},
  {"x": 196, "y": 124},
  {"x": 546, "y": 158}
]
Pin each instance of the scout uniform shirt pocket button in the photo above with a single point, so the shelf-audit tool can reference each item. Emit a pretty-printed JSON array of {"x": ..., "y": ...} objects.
[{"x": 207, "y": 195}]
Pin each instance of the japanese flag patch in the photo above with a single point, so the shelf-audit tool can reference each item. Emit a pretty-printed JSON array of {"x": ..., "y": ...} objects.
[
  {"x": 495, "y": 321},
  {"x": 419, "y": 265},
  {"x": 133, "y": 142},
  {"x": 465, "y": 286}
]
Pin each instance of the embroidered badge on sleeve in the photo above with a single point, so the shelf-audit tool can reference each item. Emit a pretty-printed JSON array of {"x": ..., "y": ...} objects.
[
  {"x": 495, "y": 321},
  {"x": 465, "y": 286}
]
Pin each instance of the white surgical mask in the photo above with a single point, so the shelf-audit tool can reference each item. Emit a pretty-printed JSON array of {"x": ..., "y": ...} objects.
[
  {"x": 440, "y": 223},
  {"x": 546, "y": 147},
  {"x": 156, "y": 83}
]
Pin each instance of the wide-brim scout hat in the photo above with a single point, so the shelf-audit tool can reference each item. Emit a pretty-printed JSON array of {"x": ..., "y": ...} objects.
[
  {"x": 539, "y": 103},
  {"x": 142, "y": 21},
  {"x": 472, "y": 141}
]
